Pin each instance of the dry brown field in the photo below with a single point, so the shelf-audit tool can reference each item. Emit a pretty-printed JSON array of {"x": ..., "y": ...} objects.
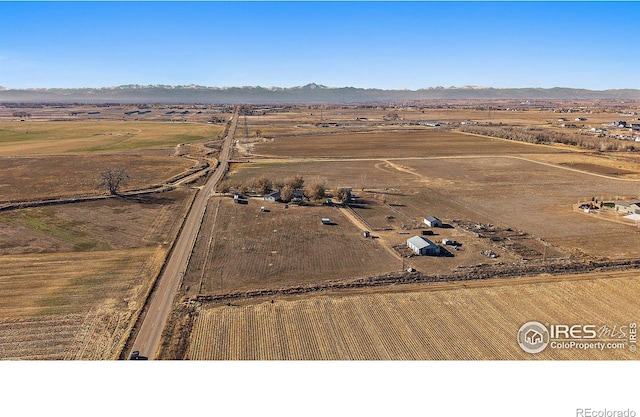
[
  {"x": 27, "y": 178},
  {"x": 338, "y": 173},
  {"x": 455, "y": 176},
  {"x": 431, "y": 323},
  {"x": 321, "y": 119},
  {"x": 45, "y": 138},
  {"x": 74, "y": 277},
  {"x": 72, "y": 305},
  {"x": 249, "y": 249},
  {"x": 123, "y": 112},
  {"x": 513, "y": 192},
  {"x": 423, "y": 142},
  {"x": 100, "y": 225},
  {"x": 536, "y": 198}
]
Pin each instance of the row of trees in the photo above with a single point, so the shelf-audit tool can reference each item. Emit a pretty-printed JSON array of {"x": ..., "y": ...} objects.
[
  {"x": 542, "y": 136},
  {"x": 314, "y": 190}
]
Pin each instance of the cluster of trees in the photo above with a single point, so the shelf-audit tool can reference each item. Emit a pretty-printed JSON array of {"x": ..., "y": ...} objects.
[
  {"x": 21, "y": 115},
  {"x": 542, "y": 136},
  {"x": 314, "y": 190}
]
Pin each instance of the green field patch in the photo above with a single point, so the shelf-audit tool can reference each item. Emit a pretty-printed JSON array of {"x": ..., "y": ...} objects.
[{"x": 45, "y": 221}]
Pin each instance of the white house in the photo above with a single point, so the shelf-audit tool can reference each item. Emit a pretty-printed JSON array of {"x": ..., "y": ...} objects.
[
  {"x": 631, "y": 208},
  {"x": 432, "y": 221},
  {"x": 422, "y": 246},
  {"x": 273, "y": 197}
]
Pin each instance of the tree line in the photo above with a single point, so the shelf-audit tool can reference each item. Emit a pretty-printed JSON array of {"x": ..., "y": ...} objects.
[
  {"x": 316, "y": 189},
  {"x": 541, "y": 136}
]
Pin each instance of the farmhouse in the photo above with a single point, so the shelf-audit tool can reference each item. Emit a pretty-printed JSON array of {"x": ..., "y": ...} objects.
[
  {"x": 272, "y": 197},
  {"x": 432, "y": 221},
  {"x": 422, "y": 246},
  {"x": 631, "y": 208},
  {"x": 298, "y": 196}
]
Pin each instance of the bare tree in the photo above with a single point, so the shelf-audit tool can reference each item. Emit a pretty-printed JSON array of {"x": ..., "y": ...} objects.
[
  {"x": 317, "y": 189},
  {"x": 113, "y": 179},
  {"x": 263, "y": 184},
  {"x": 286, "y": 193},
  {"x": 224, "y": 187},
  {"x": 278, "y": 184},
  {"x": 296, "y": 182},
  {"x": 343, "y": 194}
]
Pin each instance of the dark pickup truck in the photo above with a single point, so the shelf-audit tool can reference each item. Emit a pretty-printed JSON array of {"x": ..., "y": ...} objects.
[{"x": 135, "y": 356}]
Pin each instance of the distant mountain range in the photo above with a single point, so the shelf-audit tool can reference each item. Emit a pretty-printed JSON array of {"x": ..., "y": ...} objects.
[{"x": 310, "y": 93}]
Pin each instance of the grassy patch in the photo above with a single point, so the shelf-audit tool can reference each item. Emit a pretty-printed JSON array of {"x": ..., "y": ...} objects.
[{"x": 45, "y": 221}]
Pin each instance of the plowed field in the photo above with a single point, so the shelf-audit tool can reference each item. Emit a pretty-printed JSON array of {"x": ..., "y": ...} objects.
[{"x": 428, "y": 324}]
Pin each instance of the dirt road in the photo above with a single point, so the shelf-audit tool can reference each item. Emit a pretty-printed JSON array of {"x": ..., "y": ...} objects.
[{"x": 148, "y": 337}]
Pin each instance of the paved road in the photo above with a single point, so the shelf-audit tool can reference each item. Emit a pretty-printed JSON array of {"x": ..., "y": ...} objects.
[{"x": 148, "y": 338}]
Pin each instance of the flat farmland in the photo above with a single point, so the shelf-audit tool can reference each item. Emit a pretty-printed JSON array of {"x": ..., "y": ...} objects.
[
  {"x": 424, "y": 142},
  {"x": 338, "y": 173},
  {"x": 248, "y": 249},
  {"x": 45, "y": 138},
  {"x": 72, "y": 305},
  {"x": 438, "y": 322},
  {"x": 74, "y": 277},
  {"x": 27, "y": 178},
  {"x": 532, "y": 190},
  {"x": 148, "y": 221},
  {"x": 533, "y": 197}
]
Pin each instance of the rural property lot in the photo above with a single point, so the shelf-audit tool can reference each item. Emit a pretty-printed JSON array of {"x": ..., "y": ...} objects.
[
  {"x": 432, "y": 323},
  {"x": 93, "y": 296},
  {"x": 249, "y": 249},
  {"x": 535, "y": 198},
  {"x": 74, "y": 277},
  {"x": 425, "y": 142},
  {"x": 42, "y": 138},
  {"x": 72, "y": 175}
]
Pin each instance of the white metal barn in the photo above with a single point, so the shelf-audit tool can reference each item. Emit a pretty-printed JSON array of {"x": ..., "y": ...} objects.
[
  {"x": 432, "y": 221},
  {"x": 422, "y": 246}
]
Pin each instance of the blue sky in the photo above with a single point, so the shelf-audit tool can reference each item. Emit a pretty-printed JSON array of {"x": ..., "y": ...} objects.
[{"x": 391, "y": 45}]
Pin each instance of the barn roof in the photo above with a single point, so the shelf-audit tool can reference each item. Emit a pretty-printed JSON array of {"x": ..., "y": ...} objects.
[{"x": 420, "y": 242}]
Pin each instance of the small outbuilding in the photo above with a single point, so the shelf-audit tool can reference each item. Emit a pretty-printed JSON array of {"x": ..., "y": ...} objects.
[
  {"x": 432, "y": 221},
  {"x": 326, "y": 220},
  {"x": 422, "y": 246}
]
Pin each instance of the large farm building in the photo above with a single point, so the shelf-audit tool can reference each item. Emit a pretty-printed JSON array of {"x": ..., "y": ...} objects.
[{"x": 422, "y": 246}]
